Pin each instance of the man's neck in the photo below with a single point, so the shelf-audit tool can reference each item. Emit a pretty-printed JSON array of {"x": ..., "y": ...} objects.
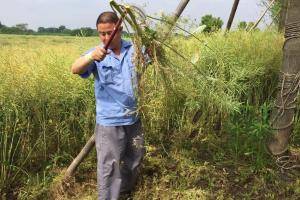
[{"x": 117, "y": 50}]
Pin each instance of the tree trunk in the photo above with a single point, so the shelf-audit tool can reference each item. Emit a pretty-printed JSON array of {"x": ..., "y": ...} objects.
[
  {"x": 282, "y": 116},
  {"x": 282, "y": 18},
  {"x": 232, "y": 14}
]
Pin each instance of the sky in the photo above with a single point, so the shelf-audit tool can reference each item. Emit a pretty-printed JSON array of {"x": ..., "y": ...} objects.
[{"x": 83, "y": 13}]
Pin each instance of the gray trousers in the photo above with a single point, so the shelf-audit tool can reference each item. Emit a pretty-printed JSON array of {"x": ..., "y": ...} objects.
[{"x": 120, "y": 150}]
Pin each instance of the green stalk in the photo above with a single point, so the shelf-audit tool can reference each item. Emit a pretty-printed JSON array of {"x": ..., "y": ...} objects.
[
  {"x": 136, "y": 26},
  {"x": 117, "y": 7}
]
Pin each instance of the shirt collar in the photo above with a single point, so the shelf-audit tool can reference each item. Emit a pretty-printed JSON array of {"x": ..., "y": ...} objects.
[{"x": 125, "y": 44}]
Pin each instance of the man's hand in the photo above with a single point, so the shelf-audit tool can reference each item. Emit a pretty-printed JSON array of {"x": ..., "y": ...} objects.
[
  {"x": 82, "y": 63},
  {"x": 99, "y": 54}
]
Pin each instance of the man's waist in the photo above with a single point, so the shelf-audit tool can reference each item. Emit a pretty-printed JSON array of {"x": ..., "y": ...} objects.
[{"x": 116, "y": 120}]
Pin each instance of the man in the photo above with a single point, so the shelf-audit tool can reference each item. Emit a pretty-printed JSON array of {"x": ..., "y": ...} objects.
[{"x": 119, "y": 140}]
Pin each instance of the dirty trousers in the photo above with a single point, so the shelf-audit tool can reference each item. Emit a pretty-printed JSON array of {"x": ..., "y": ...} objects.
[{"x": 120, "y": 150}]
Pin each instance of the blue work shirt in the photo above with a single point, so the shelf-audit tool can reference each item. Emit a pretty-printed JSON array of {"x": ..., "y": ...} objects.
[{"x": 115, "y": 85}]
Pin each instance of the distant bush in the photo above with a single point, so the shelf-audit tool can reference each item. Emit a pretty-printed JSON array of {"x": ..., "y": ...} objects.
[{"x": 212, "y": 23}]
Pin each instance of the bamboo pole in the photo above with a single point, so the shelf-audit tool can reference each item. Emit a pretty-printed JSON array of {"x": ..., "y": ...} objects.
[{"x": 263, "y": 14}]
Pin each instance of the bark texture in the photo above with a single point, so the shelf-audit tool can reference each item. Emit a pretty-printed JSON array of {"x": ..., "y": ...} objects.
[
  {"x": 283, "y": 114},
  {"x": 282, "y": 18}
]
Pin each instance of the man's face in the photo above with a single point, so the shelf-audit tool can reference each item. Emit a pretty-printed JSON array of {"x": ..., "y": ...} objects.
[{"x": 105, "y": 31}]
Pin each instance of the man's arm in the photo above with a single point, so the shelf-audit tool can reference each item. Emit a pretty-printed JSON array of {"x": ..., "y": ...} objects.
[{"x": 82, "y": 63}]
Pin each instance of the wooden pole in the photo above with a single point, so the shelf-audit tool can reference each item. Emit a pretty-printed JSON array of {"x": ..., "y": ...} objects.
[
  {"x": 81, "y": 156},
  {"x": 232, "y": 14},
  {"x": 181, "y": 6},
  {"x": 180, "y": 9}
]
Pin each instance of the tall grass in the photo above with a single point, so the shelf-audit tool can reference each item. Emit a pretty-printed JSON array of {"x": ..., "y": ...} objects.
[
  {"x": 239, "y": 69},
  {"x": 45, "y": 111},
  {"x": 215, "y": 102}
]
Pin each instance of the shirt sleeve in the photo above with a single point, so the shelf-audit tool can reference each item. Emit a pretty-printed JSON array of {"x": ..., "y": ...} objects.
[{"x": 91, "y": 68}]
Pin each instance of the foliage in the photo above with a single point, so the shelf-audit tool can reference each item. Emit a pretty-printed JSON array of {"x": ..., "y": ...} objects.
[
  {"x": 212, "y": 23},
  {"x": 22, "y": 26},
  {"x": 84, "y": 32},
  {"x": 246, "y": 26},
  {"x": 15, "y": 30},
  {"x": 242, "y": 25},
  {"x": 248, "y": 132}
]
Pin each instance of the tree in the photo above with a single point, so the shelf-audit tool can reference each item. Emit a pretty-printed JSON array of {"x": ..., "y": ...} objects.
[
  {"x": 211, "y": 23},
  {"x": 67, "y": 31},
  {"x": 22, "y": 26},
  {"x": 41, "y": 29},
  {"x": 85, "y": 32},
  {"x": 61, "y": 28},
  {"x": 11, "y": 30},
  {"x": 242, "y": 25},
  {"x": 282, "y": 18},
  {"x": 282, "y": 116},
  {"x": 51, "y": 30},
  {"x": 1, "y": 25}
]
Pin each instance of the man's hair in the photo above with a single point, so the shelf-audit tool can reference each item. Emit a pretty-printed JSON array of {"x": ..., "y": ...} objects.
[{"x": 107, "y": 17}]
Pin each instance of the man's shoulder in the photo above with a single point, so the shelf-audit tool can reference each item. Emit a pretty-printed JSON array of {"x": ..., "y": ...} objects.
[
  {"x": 127, "y": 44},
  {"x": 89, "y": 51}
]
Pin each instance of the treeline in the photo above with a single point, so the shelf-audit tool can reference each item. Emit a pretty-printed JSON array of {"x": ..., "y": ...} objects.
[
  {"x": 62, "y": 30},
  {"x": 22, "y": 29},
  {"x": 208, "y": 24}
]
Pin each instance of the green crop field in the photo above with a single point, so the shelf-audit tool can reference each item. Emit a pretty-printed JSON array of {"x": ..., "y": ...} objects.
[{"x": 205, "y": 113}]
